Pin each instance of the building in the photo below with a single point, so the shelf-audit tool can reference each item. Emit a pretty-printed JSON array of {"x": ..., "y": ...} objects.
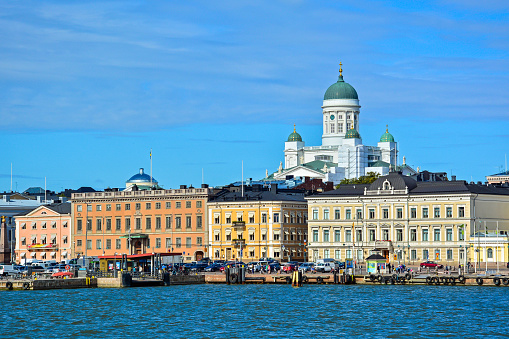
[
  {"x": 141, "y": 181},
  {"x": 44, "y": 233},
  {"x": 141, "y": 221},
  {"x": 499, "y": 178},
  {"x": 409, "y": 221},
  {"x": 253, "y": 222},
  {"x": 342, "y": 153}
]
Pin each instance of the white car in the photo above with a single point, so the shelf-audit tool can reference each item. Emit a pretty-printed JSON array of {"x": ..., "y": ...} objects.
[{"x": 325, "y": 267}]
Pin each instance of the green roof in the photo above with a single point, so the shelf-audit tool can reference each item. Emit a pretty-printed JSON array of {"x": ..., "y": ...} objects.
[
  {"x": 352, "y": 134},
  {"x": 378, "y": 163},
  {"x": 387, "y": 137},
  {"x": 340, "y": 90},
  {"x": 294, "y": 136}
]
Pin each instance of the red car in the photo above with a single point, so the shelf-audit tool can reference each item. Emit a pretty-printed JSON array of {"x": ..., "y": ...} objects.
[
  {"x": 289, "y": 268},
  {"x": 431, "y": 264}
]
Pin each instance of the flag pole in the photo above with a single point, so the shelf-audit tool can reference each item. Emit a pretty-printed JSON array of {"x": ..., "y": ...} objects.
[{"x": 151, "y": 168}]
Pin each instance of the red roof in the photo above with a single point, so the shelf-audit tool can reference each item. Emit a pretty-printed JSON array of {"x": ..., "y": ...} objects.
[{"x": 138, "y": 256}]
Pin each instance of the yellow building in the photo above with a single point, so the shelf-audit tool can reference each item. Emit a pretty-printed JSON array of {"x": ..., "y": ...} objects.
[
  {"x": 256, "y": 223},
  {"x": 410, "y": 222}
]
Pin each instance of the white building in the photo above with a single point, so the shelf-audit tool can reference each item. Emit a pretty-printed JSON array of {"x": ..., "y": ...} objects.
[{"x": 342, "y": 153}]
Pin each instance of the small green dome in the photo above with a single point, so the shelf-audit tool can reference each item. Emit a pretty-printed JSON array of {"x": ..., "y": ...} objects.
[
  {"x": 387, "y": 137},
  {"x": 340, "y": 90},
  {"x": 294, "y": 136},
  {"x": 352, "y": 134}
]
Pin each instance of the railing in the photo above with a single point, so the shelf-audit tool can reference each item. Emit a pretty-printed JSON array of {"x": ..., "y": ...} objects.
[{"x": 146, "y": 193}]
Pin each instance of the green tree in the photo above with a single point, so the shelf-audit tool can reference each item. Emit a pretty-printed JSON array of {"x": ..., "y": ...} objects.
[{"x": 365, "y": 179}]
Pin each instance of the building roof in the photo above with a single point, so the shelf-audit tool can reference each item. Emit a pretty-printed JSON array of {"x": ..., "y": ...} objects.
[
  {"x": 294, "y": 136},
  {"x": 141, "y": 178},
  {"x": 396, "y": 180},
  {"x": 376, "y": 256},
  {"x": 501, "y": 174},
  {"x": 34, "y": 190},
  {"x": 258, "y": 193},
  {"x": 340, "y": 90},
  {"x": 379, "y": 163},
  {"x": 61, "y": 208},
  {"x": 387, "y": 137},
  {"x": 352, "y": 134}
]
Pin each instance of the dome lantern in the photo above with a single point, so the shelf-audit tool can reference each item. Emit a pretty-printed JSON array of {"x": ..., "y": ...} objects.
[
  {"x": 387, "y": 137},
  {"x": 294, "y": 136},
  {"x": 340, "y": 89}
]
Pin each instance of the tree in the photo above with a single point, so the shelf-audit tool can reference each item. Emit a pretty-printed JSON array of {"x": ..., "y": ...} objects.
[{"x": 365, "y": 179}]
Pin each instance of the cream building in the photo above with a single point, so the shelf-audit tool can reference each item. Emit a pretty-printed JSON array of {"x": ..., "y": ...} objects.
[{"x": 410, "y": 221}]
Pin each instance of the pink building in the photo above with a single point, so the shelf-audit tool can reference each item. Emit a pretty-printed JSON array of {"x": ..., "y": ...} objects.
[{"x": 44, "y": 233}]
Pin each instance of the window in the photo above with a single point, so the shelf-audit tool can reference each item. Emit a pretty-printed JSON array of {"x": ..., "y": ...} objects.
[
  {"x": 436, "y": 235},
  {"x": 98, "y": 207},
  {"x": 276, "y": 236},
  {"x": 448, "y": 234},
  {"x": 449, "y": 254},
  {"x": 158, "y": 242},
  {"x": 436, "y": 212},
  {"x": 399, "y": 235},
  {"x": 315, "y": 214},
  {"x": 425, "y": 213},
  {"x": 79, "y": 208},
  {"x": 137, "y": 206},
  {"x": 118, "y": 224},
  {"x": 359, "y": 214},
  {"x": 158, "y": 205},
  {"x": 461, "y": 233},
  {"x": 337, "y": 235},
  {"x": 168, "y": 242},
  {"x": 127, "y": 224},
  {"x": 108, "y": 244},
  {"x": 158, "y": 223},
  {"x": 413, "y": 235},
  {"x": 188, "y": 221},
  {"x": 348, "y": 214},
  {"x": 178, "y": 222},
  {"x": 98, "y": 244},
  {"x": 108, "y": 224},
  {"x": 399, "y": 213},
  {"x": 79, "y": 225},
  {"x": 337, "y": 254},
  {"x": 372, "y": 235},
  {"x": 228, "y": 237},
  {"x": 89, "y": 208},
  {"x": 108, "y": 207},
  {"x": 199, "y": 222},
  {"x": 127, "y": 207},
  {"x": 326, "y": 253},
  {"x": 98, "y": 224},
  {"x": 43, "y": 225},
  {"x": 34, "y": 226},
  {"x": 168, "y": 204},
  {"x": 217, "y": 219},
  {"x": 337, "y": 214},
  {"x": 413, "y": 213},
  {"x": 425, "y": 235},
  {"x": 89, "y": 224},
  {"x": 326, "y": 235},
  {"x": 89, "y": 244},
  {"x": 413, "y": 254},
  {"x": 448, "y": 212},
  {"x": 385, "y": 213},
  {"x": 228, "y": 219},
  {"x": 326, "y": 214},
  {"x": 118, "y": 207},
  {"x": 252, "y": 254},
  {"x": 264, "y": 218},
  {"x": 168, "y": 221},
  {"x": 188, "y": 204},
  {"x": 118, "y": 244},
  {"x": 425, "y": 255},
  {"x": 199, "y": 241},
  {"x": 148, "y": 223},
  {"x": 148, "y": 206},
  {"x": 251, "y": 219},
  {"x": 490, "y": 253},
  {"x": 138, "y": 223},
  {"x": 216, "y": 237},
  {"x": 276, "y": 217},
  {"x": 199, "y": 204},
  {"x": 358, "y": 235},
  {"x": 349, "y": 254},
  {"x": 385, "y": 235},
  {"x": 239, "y": 217},
  {"x": 461, "y": 212},
  {"x": 178, "y": 204},
  {"x": 178, "y": 242},
  {"x": 348, "y": 235},
  {"x": 78, "y": 243},
  {"x": 315, "y": 235},
  {"x": 252, "y": 236},
  {"x": 371, "y": 213},
  {"x": 437, "y": 254}
]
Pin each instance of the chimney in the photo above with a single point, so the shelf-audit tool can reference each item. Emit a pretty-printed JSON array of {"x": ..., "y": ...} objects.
[
  {"x": 273, "y": 188},
  {"x": 183, "y": 187},
  {"x": 204, "y": 186},
  {"x": 453, "y": 178}
]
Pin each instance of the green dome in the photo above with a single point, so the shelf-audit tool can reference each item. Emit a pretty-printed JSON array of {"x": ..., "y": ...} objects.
[
  {"x": 340, "y": 90},
  {"x": 352, "y": 134},
  {"x": 387, "y": 137},
  {"x": 294, "y": 136}
]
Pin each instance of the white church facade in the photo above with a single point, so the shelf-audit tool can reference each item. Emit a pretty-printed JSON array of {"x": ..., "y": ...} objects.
[{"x": 342, "y": 153}]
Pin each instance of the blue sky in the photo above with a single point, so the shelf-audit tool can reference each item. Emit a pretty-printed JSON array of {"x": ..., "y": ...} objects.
[{"x": 88, "y": 88}]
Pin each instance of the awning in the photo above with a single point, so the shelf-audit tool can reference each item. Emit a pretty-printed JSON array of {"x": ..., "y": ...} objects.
[
  {"x": 53, "y": 236},
  {"x": 52, "y": 254},
  {"x": 32, "y": 254},
  {"x": 33, "y": 236},
  {"x": 23, "y": 239},
  {"x": 277, "y": 231},
  {"x": 54, "y": 223},
  {"x": 64, "y": 253},
  {"x": 34, "y": 223},
  {"x": 65, "y": 223},
  {"x": 44, "y": 224},
  {"x": 43, "y": 237},
  {"x": 23, "y": 255},
  {"x": 23, "y": 224},
  {"x": 135, "y": 236}
]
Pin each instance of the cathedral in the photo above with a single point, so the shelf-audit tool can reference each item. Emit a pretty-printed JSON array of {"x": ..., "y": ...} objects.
[{"x": 342, "y": 153}]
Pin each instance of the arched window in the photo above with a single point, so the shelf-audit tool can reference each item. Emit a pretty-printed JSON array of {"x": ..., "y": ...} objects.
[
  {"x": 386, "y": 185},
  {"x": 490, "y": 253}
]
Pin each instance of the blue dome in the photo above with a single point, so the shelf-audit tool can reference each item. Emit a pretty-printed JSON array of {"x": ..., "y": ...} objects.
[{"x": 141, "y": 178}]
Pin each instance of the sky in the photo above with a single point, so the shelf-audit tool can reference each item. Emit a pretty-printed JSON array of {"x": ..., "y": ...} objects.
[{"x": 88, "y": 88}]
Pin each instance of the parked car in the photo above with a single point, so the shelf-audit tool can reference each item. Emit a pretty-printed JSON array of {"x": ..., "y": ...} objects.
[
  {"x": 324, "y": 267},
  {"x": 274, "y": 266},
  {"x": 307, "y": 267},
  {"x": 431, "y": 264},
  {"x": 8, "y": 269},
  {"x": 213, "y": 268}
]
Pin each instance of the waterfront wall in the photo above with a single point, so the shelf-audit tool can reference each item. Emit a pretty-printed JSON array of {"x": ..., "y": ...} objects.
[{"x": 51, "y": 284}]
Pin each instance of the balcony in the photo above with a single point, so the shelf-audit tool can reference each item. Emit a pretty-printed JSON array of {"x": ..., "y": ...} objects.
[{"x": 239, "y": 225}]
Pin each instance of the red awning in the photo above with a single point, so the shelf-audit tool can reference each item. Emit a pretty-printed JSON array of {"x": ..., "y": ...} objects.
[{"x": 138, "y": 256}]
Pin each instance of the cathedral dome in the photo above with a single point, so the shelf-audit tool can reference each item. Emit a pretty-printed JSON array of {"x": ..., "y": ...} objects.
[
  {"x": 340, "y": 90},
  {"x": 294, "y": 136},
  {"x": 352, "y": 134},
  {"x": 141, "y": 178},
  {"x": 387, "y": 137}
]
